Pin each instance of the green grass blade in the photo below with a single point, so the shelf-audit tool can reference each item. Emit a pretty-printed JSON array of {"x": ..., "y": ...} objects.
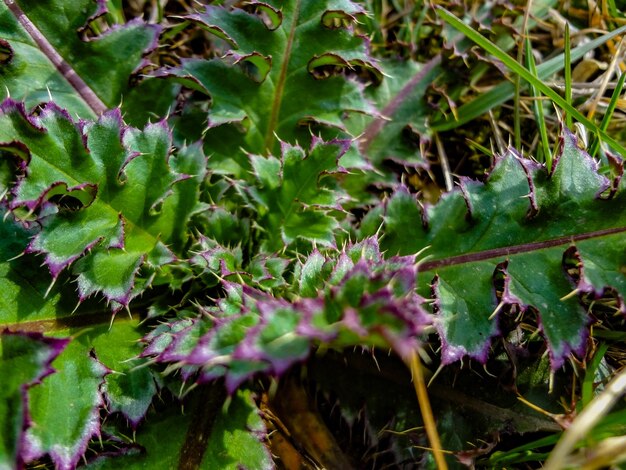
[
  {"x": 538, "y": 108},
  {"x": 604, "y": 125},
  {"x": 516, "y": 68},
  {"x": 524, "y": 453},
  {"x": 481, "y": 148},
  {"x": 521, "y": 48},
  {"x": 588, "y": 381},
  {"x": 567, "y": 58},
  {"x": 505, "y": 91},
  {"x": 517, "y": 121}
]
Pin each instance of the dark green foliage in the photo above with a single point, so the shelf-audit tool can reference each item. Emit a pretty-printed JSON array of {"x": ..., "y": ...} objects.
[{"x": 274, "y": 216}]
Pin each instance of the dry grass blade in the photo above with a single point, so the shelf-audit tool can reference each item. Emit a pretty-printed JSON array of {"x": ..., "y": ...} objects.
[
  {"x": 612, "y": 68},
  {"x": 610, "y": 451},
  {"x": 586, "y": 420},
  {"x": 533, "y": 79},
  {"x": 419, "y": 383}
]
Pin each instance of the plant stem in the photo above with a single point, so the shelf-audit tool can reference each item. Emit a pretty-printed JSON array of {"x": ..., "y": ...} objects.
[
  {"x": 86, "y": 93},
  {"x": 419, "y": 383}
]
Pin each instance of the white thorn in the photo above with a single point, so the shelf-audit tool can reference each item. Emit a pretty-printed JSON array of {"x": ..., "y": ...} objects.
[
  {"x": 496, "y": 311},
  {"x": 16, "y": 257},
  {"x": 570, "y": 295},
  {"x": 439, "y": 369},
  {"x": 50, "y": 287}
]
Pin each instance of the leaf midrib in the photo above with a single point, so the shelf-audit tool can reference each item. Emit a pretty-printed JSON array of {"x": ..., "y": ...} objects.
[
  {"x": 83, "y": 90},
  {"x": 377, "y": 125},
  {"x": 280, "y": 84},
  {"x": 515, "y": 249}
]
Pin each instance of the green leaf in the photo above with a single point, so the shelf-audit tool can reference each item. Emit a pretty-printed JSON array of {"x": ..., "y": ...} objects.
[
  {"x": 107, "y": 197},
  {"x": 516, "y": 227},
  {"x": 362, "y": 299},
  {"x": 602, "y": 266},
  {"x": 236, "y": 437},
  {"x": 50, "y": 58},
  {"x": 25, "y": 360},
  {"x": 25, "y": 307},
  {"x": 65, "y": 408},
  {"x": 171, "y": 439},
  {"x": 400, "y": 101},
  {"x": 293, "y": 203},
  {"x": 311, "y": 274},
  {"x": 24, "y": 303},
  {"x": 268, "y": 272},
  {"x": 130, "y": 386},
  {"x": 280, "y": 71}
]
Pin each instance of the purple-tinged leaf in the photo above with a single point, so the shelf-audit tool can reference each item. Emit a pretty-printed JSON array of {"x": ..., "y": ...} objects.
[
  {"x": 516, "y": 226},
  {"x": 51, "y": 57},
  {"x": 601, "y": 267},
  {"x": 64, "y": 410},
  {"x": 279, "y": 73},
  {"x": 460, "y": 306},
  {"x": 24, "y": 310},
  {"x": 25, "y": 359},
  {"x": 539, "y": 281},
  {"x": 215, "y": 261},
  {"x": 365, "y": 300},
  {"x": 268, "y": 272},
  {"x": 105, "y": 195},
  {"x": 130, "y": 386},
  {"x": 24, "y": 305}
]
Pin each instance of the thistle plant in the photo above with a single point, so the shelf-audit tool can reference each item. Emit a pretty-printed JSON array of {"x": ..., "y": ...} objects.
[{"x": 163, "y": 287}]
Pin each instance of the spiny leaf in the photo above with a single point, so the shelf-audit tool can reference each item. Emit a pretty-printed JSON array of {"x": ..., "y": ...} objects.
[
  {"x": 213, "y": 262},
  {"x": 64, "y": 409},
  {"x": 292, "y": 202},
  {"x": 105, "y": 195},
  {"x": 401, "y": 105},
  {"x": 24, "y": 308},
  {"x": 25, "y": 359},
  {"x": 234, "y": 438},
  {"x": 362, "y": 300},
  {"x": 49, "y": 56},
  {"x": 130, "y": 386},
  {"x": 516, "y": 226},
  {"x": 29, "y": 303},
  {"x": 278, "y": 72}
]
